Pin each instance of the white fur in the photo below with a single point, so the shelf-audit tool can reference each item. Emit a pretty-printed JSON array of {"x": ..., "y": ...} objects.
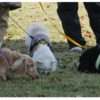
[{"x": 43, "y": 58}]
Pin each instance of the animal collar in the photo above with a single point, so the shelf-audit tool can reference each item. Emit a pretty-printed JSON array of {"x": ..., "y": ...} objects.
[
  {"x": 37, "y": 40},
  {"x": 2, "y": 54}
]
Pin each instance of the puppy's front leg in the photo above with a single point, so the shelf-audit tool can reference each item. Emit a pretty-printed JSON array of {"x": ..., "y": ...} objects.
[{"x": 4, "y": 77}]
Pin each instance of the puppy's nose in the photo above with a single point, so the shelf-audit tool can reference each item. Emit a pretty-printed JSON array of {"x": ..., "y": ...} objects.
[
  {"x": 37, "y": 76},
  {"x": 43, "y": 72}
]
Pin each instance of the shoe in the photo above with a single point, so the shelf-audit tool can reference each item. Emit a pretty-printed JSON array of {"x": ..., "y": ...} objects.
[{"x": 78, "y": 49}]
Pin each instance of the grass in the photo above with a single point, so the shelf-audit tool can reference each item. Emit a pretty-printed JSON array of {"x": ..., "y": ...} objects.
[{"x": 66, "y": 81}]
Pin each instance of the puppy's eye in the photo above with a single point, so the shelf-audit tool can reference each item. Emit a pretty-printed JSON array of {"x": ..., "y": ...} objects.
[{"x": 31, "y": 65}]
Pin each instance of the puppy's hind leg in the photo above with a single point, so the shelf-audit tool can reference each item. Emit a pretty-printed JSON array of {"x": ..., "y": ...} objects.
[{"x": 3, "y": 75}]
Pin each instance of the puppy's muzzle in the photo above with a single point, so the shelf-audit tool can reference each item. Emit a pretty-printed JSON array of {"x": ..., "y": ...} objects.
[{"x": 35, "y": 77}]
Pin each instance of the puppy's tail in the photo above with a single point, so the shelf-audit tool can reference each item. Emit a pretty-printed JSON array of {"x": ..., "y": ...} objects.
[
  {"x": 33, "y": 30},
  {"x": 36, "y": 28}
]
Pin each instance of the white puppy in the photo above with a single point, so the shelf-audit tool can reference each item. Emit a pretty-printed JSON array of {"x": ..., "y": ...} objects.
[{"x": 39, "y": 47}]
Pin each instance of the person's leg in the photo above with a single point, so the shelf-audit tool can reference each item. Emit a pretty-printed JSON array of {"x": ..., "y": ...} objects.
[
  {"x": 4, "y": 15},
  {"x": 70, "y": 22},
  {"x": 93, "y": 10}
]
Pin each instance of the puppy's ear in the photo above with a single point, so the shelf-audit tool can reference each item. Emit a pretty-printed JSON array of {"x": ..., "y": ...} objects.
[
  {"x": 20, "y": 66},
  {"x": 54, "y": 61},
  {"x": 39, "y": 61},
  {"x": 15, "y": 65}
]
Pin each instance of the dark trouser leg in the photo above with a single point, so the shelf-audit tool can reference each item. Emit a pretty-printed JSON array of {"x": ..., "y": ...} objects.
[
  {"x": 70, "y": 22},
  {"x": 93, "y": 10}
]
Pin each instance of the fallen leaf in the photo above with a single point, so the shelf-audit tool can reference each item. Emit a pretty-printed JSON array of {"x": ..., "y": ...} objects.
[
  {"x": 21, "y": 85},
  {"x": 90, "y": 36},
  {"x": 54, "y": 37},
  {"x": 13, "y": 43},
  {"x": 45, "y": 19},
  {"x": 29, "y": 80},
  {"x": 30, "y": 16},
  {"x": 20, "y": 10},
  {"x": 82, "y": 26},
  {"x": 88, "y": 32},
  {"x": 20, "y": 19},
  {"x": 48, "y": 6},
  {"x": 42, "y": 82},
  {"x": 65, "y": 86},
  {"x": 6, "y": 34},
  {"x": 60, "y": 45},
  {"x": 64, "y": 67},
  {"x": 33, "y": 79},
  {"x": 48, "y": 74},
  {"x": 54, "y": 43},
  {"x": 53, "y": 80},
  {"x": 23, "y": 37},
  {"x": 62, "y": 59},
  {"x": 59, "y": 80},
  {"x": 52, "y": 18},
  {"x": 59, "y": 50},
  {"x": 87, "y": 42},
  {"x": 35, "y": 18},
  {"x": 75, "y": 63},
  {"x": 93, "y": 91},
  {"x": 85, "y": 81},
  {"x": 23, "y": 46},
  {"x": 75, "y": 89},
  {"x": 41, "y": 96}
]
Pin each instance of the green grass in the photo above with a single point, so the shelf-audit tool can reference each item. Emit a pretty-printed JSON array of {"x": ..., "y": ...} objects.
[{"x": 66, "y": 81}]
